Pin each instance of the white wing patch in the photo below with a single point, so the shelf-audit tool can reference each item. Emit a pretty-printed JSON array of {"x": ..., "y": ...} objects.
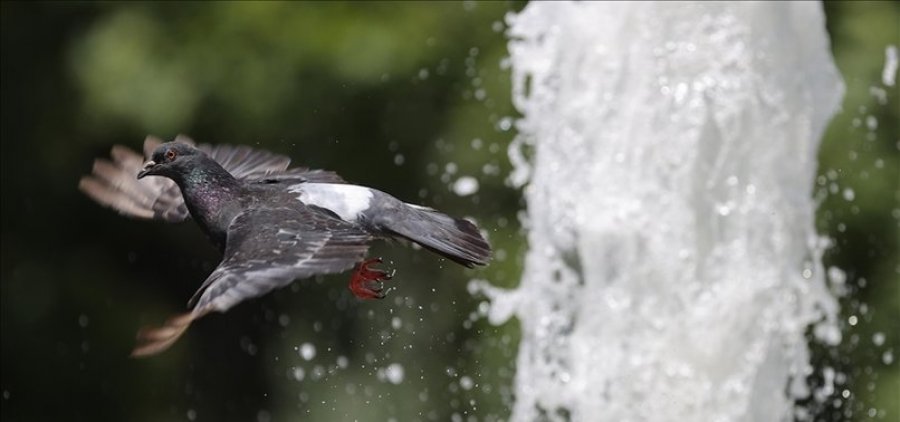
[{"x": 347, "y": 201}]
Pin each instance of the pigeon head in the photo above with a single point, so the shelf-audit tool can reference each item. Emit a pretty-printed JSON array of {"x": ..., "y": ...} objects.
[{"x": 170, "y": 159}]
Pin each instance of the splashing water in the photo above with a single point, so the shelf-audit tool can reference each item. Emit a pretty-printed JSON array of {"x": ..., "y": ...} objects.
[
  {"x": 889, "y": 73},
  {"x": 673, "y": 266}
]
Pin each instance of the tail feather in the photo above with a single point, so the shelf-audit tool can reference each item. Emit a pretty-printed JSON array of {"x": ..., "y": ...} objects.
[{"x": 453, "y": 238}]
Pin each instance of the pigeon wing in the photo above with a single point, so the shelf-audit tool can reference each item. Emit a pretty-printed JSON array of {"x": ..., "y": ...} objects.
[
  {"x": 247, "y": 163},
  {"x": 114, "y": 183},
  {"x": 266, "y": 249}
]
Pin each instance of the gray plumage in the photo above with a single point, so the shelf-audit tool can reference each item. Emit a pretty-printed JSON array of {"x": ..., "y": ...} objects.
[{"x": 273, "y": 224}]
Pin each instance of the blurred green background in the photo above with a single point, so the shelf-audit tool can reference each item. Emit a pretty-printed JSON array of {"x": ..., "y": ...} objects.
[{"x": 405, "y": 97}]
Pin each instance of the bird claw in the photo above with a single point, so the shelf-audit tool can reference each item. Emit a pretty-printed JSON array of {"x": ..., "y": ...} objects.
[{"x": 366, "y": 283}]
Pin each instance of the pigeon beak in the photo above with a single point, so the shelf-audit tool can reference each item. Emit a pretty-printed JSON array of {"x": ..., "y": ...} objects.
[{"x": 148, "y": 167}]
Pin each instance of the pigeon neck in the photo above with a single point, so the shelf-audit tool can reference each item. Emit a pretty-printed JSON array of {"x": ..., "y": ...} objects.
[
  {"x": 212, "y": 196},
  {"x": 207, "y": 174}
]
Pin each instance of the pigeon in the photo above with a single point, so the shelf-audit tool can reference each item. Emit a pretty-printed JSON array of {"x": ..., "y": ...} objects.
[{"x": 273, "y": 224}]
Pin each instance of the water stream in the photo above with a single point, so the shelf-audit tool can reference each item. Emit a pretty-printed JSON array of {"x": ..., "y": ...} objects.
[{"x": 668, "y": 153}]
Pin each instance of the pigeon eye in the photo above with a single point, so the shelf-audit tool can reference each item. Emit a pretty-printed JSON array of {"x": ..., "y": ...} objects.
[{"x": 170, "y": 155}]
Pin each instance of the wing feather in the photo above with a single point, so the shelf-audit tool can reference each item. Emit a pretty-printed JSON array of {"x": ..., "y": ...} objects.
[
  {"x": 114, "y": 183},
  {"x": 266, "y": 249},
  {"x": 308, "y": 243}
]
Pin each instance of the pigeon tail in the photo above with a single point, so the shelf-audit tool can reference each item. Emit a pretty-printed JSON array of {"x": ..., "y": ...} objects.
[{"x": 456, "y": 239}]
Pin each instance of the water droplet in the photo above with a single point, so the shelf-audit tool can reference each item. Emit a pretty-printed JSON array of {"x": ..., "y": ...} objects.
[
  {"x": 723, "y": 209},
  {"x": 450, "y": 168},
  {"x": 871, "y": 122},
  {"x": 307, "y": 351},
  {"x": 889, "y": 72},
  {"x": 394, "y": 373},
  {"x": 751, "y": 189},
  {"x": 298, "y": 373},
  {"x": 848, "y": 194},
  {"x": 465, "y": 186},
  {"x": 466, "y": 382}
]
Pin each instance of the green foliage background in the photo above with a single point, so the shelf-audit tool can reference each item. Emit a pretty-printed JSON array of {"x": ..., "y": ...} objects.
[{"x": 406, "y": 97}]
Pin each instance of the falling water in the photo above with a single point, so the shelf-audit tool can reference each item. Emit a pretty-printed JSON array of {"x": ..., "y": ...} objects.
[{"x": 668, "y": 153}]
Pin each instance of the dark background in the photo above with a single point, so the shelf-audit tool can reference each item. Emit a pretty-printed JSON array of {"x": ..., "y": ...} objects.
[{"x": 404, "y": 97}]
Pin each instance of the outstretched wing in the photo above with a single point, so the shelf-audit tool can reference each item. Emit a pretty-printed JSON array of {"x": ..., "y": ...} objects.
[
  {"x": 270, "y": 248},
  {"x": 266, "y": 249},
  {"x": 115, "y": 184}
]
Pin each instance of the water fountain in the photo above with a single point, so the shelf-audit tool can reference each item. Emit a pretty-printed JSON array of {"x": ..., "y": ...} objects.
[{"x": 668, "y": 152}]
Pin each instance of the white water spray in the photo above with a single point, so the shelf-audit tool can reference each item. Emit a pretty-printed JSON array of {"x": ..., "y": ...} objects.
[{"x": 673, "y": 266}]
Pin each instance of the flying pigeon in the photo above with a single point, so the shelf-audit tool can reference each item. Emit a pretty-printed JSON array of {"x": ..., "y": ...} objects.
[{"x": 273, "y": 224}]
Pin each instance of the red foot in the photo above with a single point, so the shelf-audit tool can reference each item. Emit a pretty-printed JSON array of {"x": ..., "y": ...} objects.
[{"x": 365, "y": 283}]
